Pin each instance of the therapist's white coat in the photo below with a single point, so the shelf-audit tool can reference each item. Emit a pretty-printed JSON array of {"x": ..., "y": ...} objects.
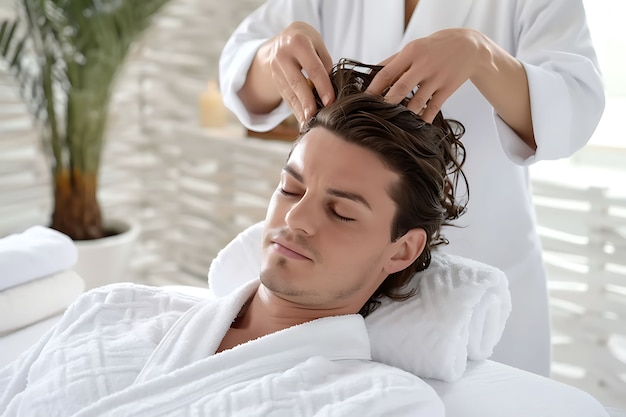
[{"x": 551, "y": 39}]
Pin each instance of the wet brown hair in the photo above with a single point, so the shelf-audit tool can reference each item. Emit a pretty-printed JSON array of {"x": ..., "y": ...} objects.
[{"x": 427, "y": 157}]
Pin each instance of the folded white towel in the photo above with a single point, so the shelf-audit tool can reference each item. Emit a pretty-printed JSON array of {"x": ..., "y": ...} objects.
[
  {"x": 35, "y": 253},
  {"x": 29, "y": 303},
  {"x": 458, "y": 314}
]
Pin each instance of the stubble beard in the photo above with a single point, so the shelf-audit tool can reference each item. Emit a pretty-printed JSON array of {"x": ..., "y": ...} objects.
[
  {"x": 276, "y": 278},
  {"x": 271, "y": 279}
]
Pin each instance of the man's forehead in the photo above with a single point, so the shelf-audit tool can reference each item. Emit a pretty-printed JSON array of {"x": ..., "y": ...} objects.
[
  {"x": 321, "y": 153},
  {"x": 324, "y": 144}
]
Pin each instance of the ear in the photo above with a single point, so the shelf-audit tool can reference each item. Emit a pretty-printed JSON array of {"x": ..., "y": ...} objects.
[{"x": 406, "y": 250}]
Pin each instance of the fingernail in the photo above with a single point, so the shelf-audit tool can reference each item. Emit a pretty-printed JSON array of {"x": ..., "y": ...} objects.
[
  {"x": 302, "y": 124},
  {"x": 307, "y": 113},
  {"x": 326, "y": 99}
]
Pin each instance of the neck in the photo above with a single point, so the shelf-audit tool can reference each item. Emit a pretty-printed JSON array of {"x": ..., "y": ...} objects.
[{"x": 268, "y": 313}]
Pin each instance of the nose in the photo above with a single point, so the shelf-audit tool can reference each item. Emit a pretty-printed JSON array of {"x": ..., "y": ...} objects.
[{"x": 301, "y": 217}]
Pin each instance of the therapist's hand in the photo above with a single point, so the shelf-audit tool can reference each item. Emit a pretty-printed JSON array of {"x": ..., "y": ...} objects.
[
  {"x": 442, "y": 62},
  {"x": 439, "y": 64},
  {"x": 300, "y": 47}
]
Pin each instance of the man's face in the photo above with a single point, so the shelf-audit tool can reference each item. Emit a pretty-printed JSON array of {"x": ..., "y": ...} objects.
[{"x": 327, "y": 239}]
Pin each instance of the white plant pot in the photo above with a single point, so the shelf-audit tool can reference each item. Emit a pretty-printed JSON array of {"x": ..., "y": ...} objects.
[{"x": 105, "y": 261}]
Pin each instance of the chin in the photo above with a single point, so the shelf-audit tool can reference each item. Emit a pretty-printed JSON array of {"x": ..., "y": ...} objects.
[
  {"x": 277, "y": 285},
  {"x": 273, "y": 270},
  {"x": 280, "y": 280}
]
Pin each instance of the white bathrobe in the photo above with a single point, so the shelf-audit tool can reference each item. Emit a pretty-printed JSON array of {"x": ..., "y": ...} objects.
[
  {"x": 129, "y": 350},
  {"x": 550, "y": 38}
]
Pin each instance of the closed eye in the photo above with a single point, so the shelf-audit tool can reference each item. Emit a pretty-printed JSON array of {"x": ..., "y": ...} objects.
[
  {"x": 339, "y": 217},
  {"x": 332, "y": 212},
  {"x": 288, "y": 193}
]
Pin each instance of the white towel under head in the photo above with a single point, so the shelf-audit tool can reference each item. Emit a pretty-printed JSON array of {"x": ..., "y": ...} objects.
[
  {"x": 35, "y": 253},
  {"x": 458, "y": 314}
]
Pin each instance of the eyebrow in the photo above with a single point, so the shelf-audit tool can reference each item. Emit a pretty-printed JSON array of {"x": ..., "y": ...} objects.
[{"x": 334, "y": 192}]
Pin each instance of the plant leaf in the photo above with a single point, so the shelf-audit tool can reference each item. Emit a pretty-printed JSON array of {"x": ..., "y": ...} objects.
[{"x": 6, "y": 36}]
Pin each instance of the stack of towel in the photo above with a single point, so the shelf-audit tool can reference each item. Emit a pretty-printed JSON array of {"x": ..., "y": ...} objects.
[{"x": 35, "y": 279}]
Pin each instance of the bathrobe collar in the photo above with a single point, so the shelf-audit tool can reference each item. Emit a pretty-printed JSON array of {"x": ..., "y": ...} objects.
[{"x": 199, "y": 332}]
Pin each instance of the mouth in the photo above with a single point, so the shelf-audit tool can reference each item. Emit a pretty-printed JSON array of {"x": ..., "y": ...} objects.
[{"x": 289, "y": 250}]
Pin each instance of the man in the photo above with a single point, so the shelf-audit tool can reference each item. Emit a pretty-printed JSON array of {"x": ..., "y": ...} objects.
[
  {"x": 359, "y": 205},
  {"x": 522, "y": 75}
]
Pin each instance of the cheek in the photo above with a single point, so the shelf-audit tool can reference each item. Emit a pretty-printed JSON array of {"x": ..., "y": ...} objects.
[
  {"x": 365, "y": 236},
  {"x": 274, "y": 209},
  {"x": 360, "y": 247}
]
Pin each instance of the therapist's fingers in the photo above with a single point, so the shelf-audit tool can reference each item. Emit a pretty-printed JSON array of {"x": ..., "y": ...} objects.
[
  {"x": 429, "y": 70},
  {"x": 422, "y": 98},
  {"x": 428, "y": 97},
  {"x": 319, "y": 75},
  {"x": 284, "y": 83},
  {"x": 404, "y": 73},
  {"x": 386, "y": 77},
  {"x": 410, "y": 82},
  {"x": 317, "y": 67},
  {"x": 433, "y": 105},
  {"x": 297, "y": 49},
  {"x": 387, "y": 60}
]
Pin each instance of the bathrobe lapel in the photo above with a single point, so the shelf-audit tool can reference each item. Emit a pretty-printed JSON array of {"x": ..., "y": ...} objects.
[{"x": 185, "y": 357}]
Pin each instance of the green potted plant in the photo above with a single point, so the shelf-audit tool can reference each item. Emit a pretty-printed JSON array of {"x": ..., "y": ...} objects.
[{"x": 65, "y": 55}]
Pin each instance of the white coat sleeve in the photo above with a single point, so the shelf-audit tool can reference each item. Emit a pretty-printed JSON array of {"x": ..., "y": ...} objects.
[
  {"x": 566, "y": 90},
  {"x": 240, "y": 49}
]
